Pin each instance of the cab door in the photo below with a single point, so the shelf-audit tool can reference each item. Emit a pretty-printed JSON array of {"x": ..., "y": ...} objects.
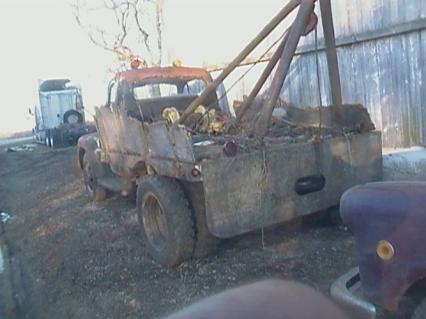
[
  {"x": 134, "y": 146},
  {"x": 108, "y": 123}
]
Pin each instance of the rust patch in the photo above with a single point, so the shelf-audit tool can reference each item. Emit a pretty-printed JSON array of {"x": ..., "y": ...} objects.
[{"x": 147, "y": 74}]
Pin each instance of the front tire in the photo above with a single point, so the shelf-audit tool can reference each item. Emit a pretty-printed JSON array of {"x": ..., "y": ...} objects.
[
  {"x": 166, "y": 218},
  {"x": 96, "y": 192}
]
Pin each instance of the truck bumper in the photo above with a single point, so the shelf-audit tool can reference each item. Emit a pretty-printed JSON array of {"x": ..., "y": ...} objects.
[
  {"x": 261, "y": 188},
  {"x": 345, "y": 291}
]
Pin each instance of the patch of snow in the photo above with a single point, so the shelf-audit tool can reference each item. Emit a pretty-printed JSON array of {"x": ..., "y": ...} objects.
[
  {"x": 5, "y": 217},
  {"x": 204, "y": 143},
  {"x": 405, "y": 164},
  {"x": 9, "y": 141},
  {"x": 410, "y": 150},
  {"x": 23, "y": 148}
]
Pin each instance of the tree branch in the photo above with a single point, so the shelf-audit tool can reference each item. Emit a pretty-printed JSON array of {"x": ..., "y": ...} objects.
[
  {"x": 127, "y": 22},
  {"x": 144, "y": 34}
]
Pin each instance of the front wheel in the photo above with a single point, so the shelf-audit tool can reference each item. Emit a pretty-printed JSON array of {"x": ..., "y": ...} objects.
[
  {"x": 166, "y": 218},
  {"x": 96, "y": 192}
]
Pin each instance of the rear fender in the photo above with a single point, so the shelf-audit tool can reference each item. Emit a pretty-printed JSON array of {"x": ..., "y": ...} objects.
[{"x": 86, "y": 144}]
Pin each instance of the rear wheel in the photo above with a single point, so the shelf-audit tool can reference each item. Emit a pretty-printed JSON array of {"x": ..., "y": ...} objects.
[
  {"x": 52, "y": 140},
  {"x": 57, "y": 138},
  {"x": 96, "y": 192},
  {"x": 166, "y": 218},
  {"x": 73, "y": 117}
]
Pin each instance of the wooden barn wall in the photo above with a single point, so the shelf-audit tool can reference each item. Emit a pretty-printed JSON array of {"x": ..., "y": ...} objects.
[{"x": 382, "y": 58}]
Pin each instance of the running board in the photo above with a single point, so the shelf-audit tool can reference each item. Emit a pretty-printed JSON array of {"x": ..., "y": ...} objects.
[{"x": 114, "y": 184}]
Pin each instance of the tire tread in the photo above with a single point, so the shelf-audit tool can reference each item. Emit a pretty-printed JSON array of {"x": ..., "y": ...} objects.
[{"x": 179, "y": 218}]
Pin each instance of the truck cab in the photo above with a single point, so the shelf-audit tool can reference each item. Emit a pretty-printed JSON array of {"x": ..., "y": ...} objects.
[
  {"x": 59, "y": 113},
  {"x": 137, "y": 98},
  {"x": 137, "y": 140},
  {"x": 388, "y": 222}
]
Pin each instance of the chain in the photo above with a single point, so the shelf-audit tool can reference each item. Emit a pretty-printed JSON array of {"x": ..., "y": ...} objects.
[{"x": 262, "y": 185}]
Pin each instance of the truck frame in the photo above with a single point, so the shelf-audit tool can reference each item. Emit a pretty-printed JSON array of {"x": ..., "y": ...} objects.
[{"x": 193, "y": 187}]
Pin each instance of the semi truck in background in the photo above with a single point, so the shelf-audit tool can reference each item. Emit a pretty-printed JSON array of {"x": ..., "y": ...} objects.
[{"x": 59, "y": 114}]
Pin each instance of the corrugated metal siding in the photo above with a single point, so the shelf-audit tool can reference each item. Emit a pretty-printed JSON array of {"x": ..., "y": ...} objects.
[{"x": 387, "y": 75}]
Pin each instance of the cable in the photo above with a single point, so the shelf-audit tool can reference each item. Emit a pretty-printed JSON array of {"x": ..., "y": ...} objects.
[
  {"x": 241, "y": 77},
  {"x": 318, "y": 81}
]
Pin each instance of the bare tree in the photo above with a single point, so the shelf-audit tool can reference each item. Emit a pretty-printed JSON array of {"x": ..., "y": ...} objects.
[{"x": 127, "y": 28}]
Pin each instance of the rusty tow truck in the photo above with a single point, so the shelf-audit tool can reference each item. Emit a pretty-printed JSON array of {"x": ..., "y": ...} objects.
[{"x": 202, "y": 174}]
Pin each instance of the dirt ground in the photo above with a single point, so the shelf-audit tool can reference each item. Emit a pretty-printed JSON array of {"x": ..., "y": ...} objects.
[{"x": 71, "y": 258}]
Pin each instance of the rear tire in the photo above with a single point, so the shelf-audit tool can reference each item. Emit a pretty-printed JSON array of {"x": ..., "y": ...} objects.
[
  {"x": 73, "y": 117},
  {"x": 56, "y": 138},
  {"x": 96, "y": 192},
  {"x": 166, "y": 218},
  {"x": 52, "y": 141}
]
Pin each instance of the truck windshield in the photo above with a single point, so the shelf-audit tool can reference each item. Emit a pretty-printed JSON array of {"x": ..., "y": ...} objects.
[{"x": 158, "y": 90}]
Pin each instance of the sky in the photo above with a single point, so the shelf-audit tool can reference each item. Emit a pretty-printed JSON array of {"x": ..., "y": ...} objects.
[{"x": 40, "y": 40}]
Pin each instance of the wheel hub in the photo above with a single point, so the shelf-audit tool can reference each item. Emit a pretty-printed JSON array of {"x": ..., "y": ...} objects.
[
  {"x": 154, "y": 221},
  {"x": 73, "y": 119}
]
